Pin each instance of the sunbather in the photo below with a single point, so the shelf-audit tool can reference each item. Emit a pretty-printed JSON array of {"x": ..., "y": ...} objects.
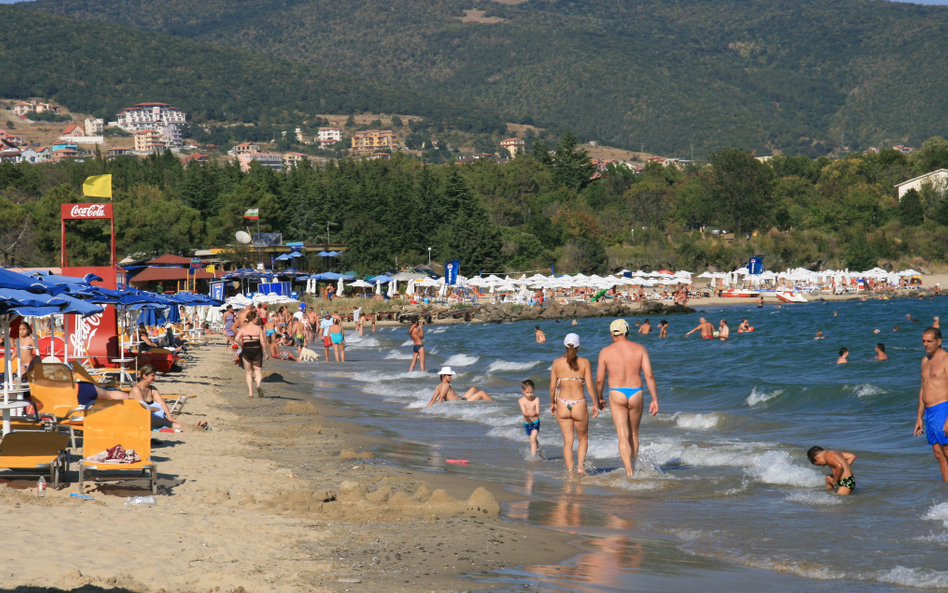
[{"x": 144, "y": 391}]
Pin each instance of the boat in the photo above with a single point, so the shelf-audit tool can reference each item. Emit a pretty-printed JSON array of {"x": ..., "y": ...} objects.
[
  {"x": 741, "y": 293},
  {"x": 791, "y": 297}
]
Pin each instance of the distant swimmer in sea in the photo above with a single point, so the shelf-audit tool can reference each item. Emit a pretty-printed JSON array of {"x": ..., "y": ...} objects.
[
  {"x": 417, "y": 334},
  {"x": 880, "y": 352},
  {"x": 933, "y": 398},
  {"x": 445, "y": 393},
  {"x": 839, "y": 463},
  {"x": 936, "y": 323},
  {"x": 625, "y": 363},
  {"x": 662, "y": 329},
  {"x": 540, "y": 336},
  {"x": 706, "y": 329},
  {"x": 744, "y": 327},
  {"x": 724, "y": 332},
  {"x": 645, "y": 328},
  {"x": 876, "y": 330},
  {"x": 835, "y": 313},
  {"x": 819, "y": 335},
  {"x": 530, "y": 408},
  {"x": 575, "y": 322},
  {"x": 843, "y": 355},
  {"x": 570, "y": 376},
  {"x": 760, "y": 301},
  {"x": 896, "y": 328}
]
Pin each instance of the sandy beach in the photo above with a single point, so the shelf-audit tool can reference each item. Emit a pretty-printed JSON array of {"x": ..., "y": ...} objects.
[{"x": 276, "y": 497}]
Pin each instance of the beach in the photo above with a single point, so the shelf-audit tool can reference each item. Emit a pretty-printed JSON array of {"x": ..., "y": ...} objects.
[{"x": 247, "y": 506}]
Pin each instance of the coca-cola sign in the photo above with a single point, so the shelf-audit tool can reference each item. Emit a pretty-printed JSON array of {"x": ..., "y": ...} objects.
[{"x": 86, "y": 211}]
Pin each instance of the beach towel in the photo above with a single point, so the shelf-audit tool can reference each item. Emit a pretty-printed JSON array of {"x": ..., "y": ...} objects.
[{"x": 116, "y": 454}]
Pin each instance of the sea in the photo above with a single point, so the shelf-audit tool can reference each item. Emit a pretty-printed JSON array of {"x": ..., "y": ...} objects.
[{"x": 723, "y": 497}]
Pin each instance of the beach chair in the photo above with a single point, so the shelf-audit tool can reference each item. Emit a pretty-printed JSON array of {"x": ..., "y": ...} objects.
[
  {"x": 117, "y": 422},
  {"x": 32, "y": 452},
  {"x": 55, "y": 396},
  {"x": 174, "y": 400}
]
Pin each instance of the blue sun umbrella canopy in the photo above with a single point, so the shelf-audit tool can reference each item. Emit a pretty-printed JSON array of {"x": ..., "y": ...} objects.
[
  {"x": 330, "y": 276},
  {"x": 329, "y": 253},
  {"x": 17, "y": 281}
]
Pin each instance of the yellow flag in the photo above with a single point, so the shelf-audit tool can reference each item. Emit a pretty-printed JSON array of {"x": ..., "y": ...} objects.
[
  {"x": 98, "y": 186},
  {"x": 209, "y": 269}
]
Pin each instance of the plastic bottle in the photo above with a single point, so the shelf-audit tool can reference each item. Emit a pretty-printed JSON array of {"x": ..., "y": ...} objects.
[
  {"x": 141, "y": 500},
  {"x": 41, "y": 487}
]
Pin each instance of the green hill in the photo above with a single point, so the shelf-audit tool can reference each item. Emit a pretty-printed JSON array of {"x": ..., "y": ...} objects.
[
  {"x": 797, "y": 75},
  {"x": 99, "y": 68}
]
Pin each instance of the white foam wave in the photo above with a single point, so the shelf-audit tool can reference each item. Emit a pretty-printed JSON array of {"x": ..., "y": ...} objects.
[
  {"x": 938, "y": 512},
  {"x": 696, "y": 421},
  {"x": 759, "y": 397},
  {"x": 865, "y": 389},
  {"x": 354, "y": 341},
  {"x": 376, "y": 376},
  {"x": 461, "y": 360},
  {"x": 776, "y": 467},
  {"x": 509, "y": 365},
  {"x": 815, "y": 498},
  {"x": 407, "y": 343},
  {"x": 437, "y": 330},
  {"x": 398, "y": 355},
  {"x": 922, "y": 578}
]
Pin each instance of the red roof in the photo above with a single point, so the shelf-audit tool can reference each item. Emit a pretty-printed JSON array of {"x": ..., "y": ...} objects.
[
  {"x": 73, "y": 128},
  {"x": 170, "y": 260},
  {"x": 154, "y": 274}
]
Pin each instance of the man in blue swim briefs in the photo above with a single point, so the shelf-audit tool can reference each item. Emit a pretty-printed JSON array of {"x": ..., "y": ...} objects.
[
  {"x": 933, "y": 398},
  {"x": 625, "y": 363}
]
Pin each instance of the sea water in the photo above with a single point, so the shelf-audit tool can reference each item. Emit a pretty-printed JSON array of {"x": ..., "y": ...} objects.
[{"x": 723, "y": 493}]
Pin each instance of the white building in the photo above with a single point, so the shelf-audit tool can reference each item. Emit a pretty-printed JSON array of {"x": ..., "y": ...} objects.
[
  {"x": 938, "y": 180},
  {"x": 94, "y": 127},
  {"x": 329, "y": 136},
  {"x": 150, "y": 116}
]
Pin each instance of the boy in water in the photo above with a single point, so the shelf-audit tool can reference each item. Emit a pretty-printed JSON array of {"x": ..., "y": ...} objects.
[
  {"x": 842, "y": 477},
  {"x": 530, "y": 408}
]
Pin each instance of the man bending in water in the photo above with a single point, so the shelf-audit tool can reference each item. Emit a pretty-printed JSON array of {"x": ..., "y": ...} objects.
[
  {"x": 445, "y": 393},
  {"x": 625, "y": 362},
  {"x": 933, "y": 398}
]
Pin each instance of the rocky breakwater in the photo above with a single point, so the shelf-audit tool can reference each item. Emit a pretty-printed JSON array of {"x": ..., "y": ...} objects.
[{"x": 499, "y": 313}]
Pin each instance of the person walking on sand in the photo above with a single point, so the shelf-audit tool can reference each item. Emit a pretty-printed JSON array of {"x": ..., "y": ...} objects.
[
  {"x": 229, "y": 319},
  {"x": 337, "y": 336},
  {"x": 251, "y": 339},
  {"x": 625, "y": 363},
  {"x": 540, "y": 335},
  {"x": 569, "y": 376},
  {"x": 933, "y": 398},
  {"x": 706, "y": 329},
  {"x": 417, "y": 334}
]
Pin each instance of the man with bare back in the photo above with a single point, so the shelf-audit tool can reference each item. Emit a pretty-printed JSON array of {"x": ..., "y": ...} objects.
[
  {"x": 933, "y": 398},
  {"x": 625, "y": 362}
]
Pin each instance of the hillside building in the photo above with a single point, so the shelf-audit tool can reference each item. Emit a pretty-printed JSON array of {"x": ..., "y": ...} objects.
[
  {"x": 374, "y": 140},
  {"x": 292, "y": 159},
  {"x": 245, "y": 148},
  {"x": 148, "y": 141},
  {"x": 271, "y": 160},
  {"x": 94, "y": 126},
  {"x": 11, "y": 138},
  {"x": 937, "y": 180},
  {"x": 150, "y": 116},
  {"x": 328, "y": 136},
  {"x": 26, "y": 107},
  {"x": 513, "y": 146}
]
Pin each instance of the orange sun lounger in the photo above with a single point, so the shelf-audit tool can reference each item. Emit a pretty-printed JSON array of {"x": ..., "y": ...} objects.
[
  {"x": 29, "y": 452},
  {"x": 117, "y": 422}
]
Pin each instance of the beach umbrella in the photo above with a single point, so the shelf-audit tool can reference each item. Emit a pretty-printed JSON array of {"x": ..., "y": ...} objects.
[
  {"x": 392, "y": 288},
  {"x": 340, "y": 287},
  {"x": 378, "y": 288}
]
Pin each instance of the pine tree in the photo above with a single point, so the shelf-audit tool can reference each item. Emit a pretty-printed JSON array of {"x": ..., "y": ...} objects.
[{"x": 910, "y": 209}]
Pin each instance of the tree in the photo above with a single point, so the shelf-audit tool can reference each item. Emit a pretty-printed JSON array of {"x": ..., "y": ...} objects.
[
  {"x": 910, "y": 209},
  {"x": 571, "y": 166},
  {"x": 740, "y": 189},
  {"x": 859, "y": 254}
]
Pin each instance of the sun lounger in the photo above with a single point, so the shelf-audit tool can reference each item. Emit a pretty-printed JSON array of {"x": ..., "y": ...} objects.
[
  {"x": 178, "y": 400},
  {"x": 117, "y": 422},
  {"x": 27, "y": 452},
  {"x": 55, "y": 395}
]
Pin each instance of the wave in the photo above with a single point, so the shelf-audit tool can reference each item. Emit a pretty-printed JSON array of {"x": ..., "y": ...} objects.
[
  {"x": 759, "y": 397},
  {"x": 377, "y": 376},
  {"x": 938, "y": 512},
  {"x": 815, "y": 498},
  {"x": 398, "y": 355},
  {"x": 461, "y": 360},
  {"x": 922, "y": 578},
  {"x": 697, "y": 421},
  {"x": 354, "y": 341},
  {"x": 437, "y": 330},
  {"x": 508, "y": 365},
  {"x": 865, "y": 389}
]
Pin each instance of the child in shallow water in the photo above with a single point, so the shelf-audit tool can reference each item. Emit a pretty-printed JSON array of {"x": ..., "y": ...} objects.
[
  {"x": 839, "y": 462},
  {"x": 530, "y": 408}
]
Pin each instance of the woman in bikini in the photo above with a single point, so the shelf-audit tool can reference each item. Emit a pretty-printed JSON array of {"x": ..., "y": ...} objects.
[
  {"x": 27, "y": 346},
  {"x": 569, "y": 376},
  {"x": 145, "y": 392},
  {"x": 251, "y": 339}
]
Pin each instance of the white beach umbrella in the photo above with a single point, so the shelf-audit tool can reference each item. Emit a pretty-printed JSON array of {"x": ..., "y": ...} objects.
[
  {"x": 340, "y": 287},
  {"x": 359, "y": 284},
  {"x": 392, "y": 288},
  {"x": 378, "y": 288},
  {"x": 410, "y": 290}
]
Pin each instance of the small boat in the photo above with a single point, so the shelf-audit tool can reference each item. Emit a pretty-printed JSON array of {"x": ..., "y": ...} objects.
[
  {"x": 741, "y": 293},
  {"x": 791, "y": 297}
]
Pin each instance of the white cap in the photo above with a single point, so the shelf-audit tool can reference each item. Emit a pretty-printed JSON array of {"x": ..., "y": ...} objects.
[
  {"x": 571, "y": 340},
  {"x": 446, "y": 371}
]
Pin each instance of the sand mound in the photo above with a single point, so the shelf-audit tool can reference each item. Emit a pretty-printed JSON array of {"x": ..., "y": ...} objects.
[
  {"x": 353, "y": 454},
  {"x": 299, "y": 408}
]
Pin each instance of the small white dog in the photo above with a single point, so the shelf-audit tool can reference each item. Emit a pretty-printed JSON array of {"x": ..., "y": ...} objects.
[{"x": 307, "y": 355}]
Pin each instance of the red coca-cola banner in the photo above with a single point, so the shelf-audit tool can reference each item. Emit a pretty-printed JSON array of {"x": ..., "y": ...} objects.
[{"x": 85, "y": 211}]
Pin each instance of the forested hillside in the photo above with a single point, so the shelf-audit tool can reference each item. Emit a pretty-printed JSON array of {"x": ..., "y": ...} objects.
[
  {"x": 803, "y": 76},
  {"x": 100, "y": 68}
]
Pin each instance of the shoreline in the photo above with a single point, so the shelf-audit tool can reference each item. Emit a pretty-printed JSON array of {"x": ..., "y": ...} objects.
[{"x": 281, "y": 495}]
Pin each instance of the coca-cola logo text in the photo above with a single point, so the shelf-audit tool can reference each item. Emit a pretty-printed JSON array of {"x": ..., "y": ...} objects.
[{"x": 90, "y": 211}]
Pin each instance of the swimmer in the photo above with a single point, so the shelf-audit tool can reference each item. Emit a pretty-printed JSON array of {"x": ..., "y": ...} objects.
[
  {"x": 933, "y": 398},
  {"x": 575, "y": 322},
  {"x": 819, "y": 335},
  {"x": 645, "y": 328},
  {"x": 662, "y": 329},
  {"x": 839, "y": 462},
  {"x": 445, "y": 393},
  {"x": 936, "y": 323},
  {"x": 843, "y": 355},
  {"x": 876, "y": 331},
  {"x": 834, "y": 313},
  {"x": 896, "y": 328},
  {"x": 706, "y": 329},
  {"x": 745, "y": 326},
  {"x": 540, "y": 336},
  {"x": 417, "y": 334},
  {"x": 760, "y": 301},
  {"x": 530, "y": 408},
  {"x": 880, "y": 352},
  {"x": 626, "y": 363},
  {"x": 723, "y": 330}
]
